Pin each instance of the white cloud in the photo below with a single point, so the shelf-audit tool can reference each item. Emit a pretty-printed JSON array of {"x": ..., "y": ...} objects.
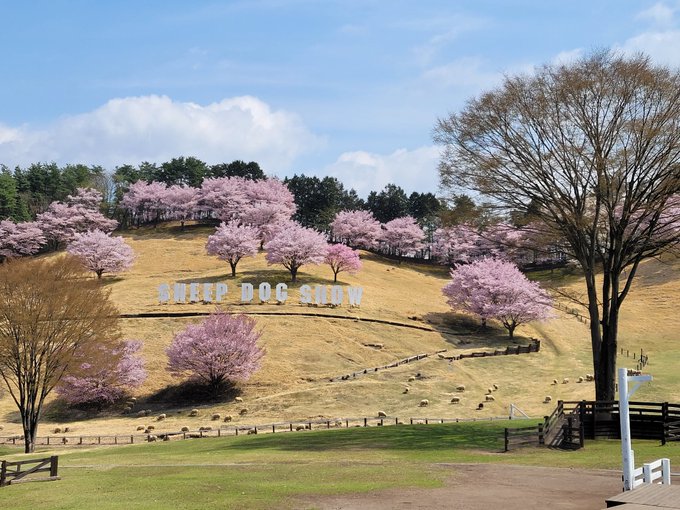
[
  {"x": 465, "y": 72},
  {"x": 659, "y": 14},
  {"x": 568, "y": 56},
  {"x": 156, "y": 128},
  {"x": 413, "y": 170}
]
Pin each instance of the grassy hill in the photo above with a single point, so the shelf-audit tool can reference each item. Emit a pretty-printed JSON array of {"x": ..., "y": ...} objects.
[{"x": 303, "y": 351}]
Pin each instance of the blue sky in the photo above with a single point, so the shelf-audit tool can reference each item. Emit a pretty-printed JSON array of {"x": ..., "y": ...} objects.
[{"x": 345, "y": 88}]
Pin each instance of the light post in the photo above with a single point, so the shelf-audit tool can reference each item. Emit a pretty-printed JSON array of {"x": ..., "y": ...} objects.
[{"x": 627, "y": 453}]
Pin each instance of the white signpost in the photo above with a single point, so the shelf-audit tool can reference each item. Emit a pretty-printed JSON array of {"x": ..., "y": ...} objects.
[{"x": 624, "y": 415}]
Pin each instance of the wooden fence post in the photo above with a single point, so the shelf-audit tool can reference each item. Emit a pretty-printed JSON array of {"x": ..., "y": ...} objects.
[
  {"x": 506, "y": 440},
  {"x": 3, "y": 472},
  {"x": 541, "y": 438},
  {"x": 54, "y": 464}
]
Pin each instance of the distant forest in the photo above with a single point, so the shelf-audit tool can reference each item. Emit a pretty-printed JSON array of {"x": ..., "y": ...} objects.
[{"x": 25, "y": 192}]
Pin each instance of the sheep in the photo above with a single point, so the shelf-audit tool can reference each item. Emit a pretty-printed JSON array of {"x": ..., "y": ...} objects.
[
  {"x": 216, "y": 416},
  {"x": 64, "y": 440},
  {"x": 133, "y": 400},
  {"x": 185, "y": 429},
  {"x": 227, "y": 418},
  {"x": 57, "y": 430},
  {"x": 252, "y": 431},
  {"x": 480, "y": 406},
  {"x": 243, "y": 411},
  {"x": 193, "y": 413},
  {"x": 460, "y": 387},
  {"x": 151, "y": 427},
  {"x": 141, "y": 414},
  {"x": 238, "y": 400},
  {"x": 66, "y": 429},
  {"x": 406, "y": 390},
  {"x": 411, "y": 379},
  {"x": 489, "y": 398},
  {"x": 127, "y": 410},
  {"x": 161, "y": 417},
  {"x": 424, "y": 403},
  {"x": 547, "y": 399},
  {"x": 141, "y": 427},
  {"x": 590, "y": 377},
  {"x": 579, "y": 380},
  {"x": 565, "y": 380},
  {"x": 204, "y": 429},
  {"x": 399, "y": 422},
  {"x": 495, "y": 386},
  {"x": 489, "y": 391},
  {"x": 151, "y": 438},
  {"x": 382, "y": 414},
  {"x": 455, "y": 400},
  {"x": 554, "y": 381},
  {"x": 299, "y": 428}
]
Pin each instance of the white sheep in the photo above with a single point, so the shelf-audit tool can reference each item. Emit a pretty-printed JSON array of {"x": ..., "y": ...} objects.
[
  {"x": 243, "y": 411},
  {"x": 460, "y": 387},
  {"x": 141, "y": 427},
  {"x": 382, "y": 414},
  {"x": 554, "y": 381},
  {"x": 238, "y": 400},
  {"x": 579, "y": 380},
  {"x": 455, "y": 400},
  {"x": 495, "y": 386},
  {"x": 216, "y": 416},
  {"x": 151, "y": 438},
  {"x": 565, "y": 380},
  {"x": 425, "y": 402},
  {"x": 185, "y": 429},
  {"x": 406, "y": 390},
  {"x": 227, "y": 418},
  {"x": 489, "y": 398},
  {"x": 547, "y": 399},
  {"x": 193, "y": 413},
  {"x": 161, "y": 417},
  {"x": 411, "y": 379}
]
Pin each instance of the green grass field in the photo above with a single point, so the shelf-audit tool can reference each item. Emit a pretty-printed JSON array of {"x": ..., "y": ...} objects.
[{"x": 251, "y": 472}]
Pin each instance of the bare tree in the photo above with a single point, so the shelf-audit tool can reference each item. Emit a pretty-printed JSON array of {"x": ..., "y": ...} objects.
[
  {"x": 49, "y": 310},
  {"x": 594, "y": 148}
]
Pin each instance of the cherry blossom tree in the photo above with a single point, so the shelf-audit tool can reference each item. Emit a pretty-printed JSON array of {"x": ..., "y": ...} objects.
[
  {"x": 80, "y": 213},
  {"x": 272, "y": 193},
  {"x": 146, "y": 201},
  {"x": 222, "y": 348},
  {"x": 101, "y": 253},
  {"x": 232, "y": 241},
  {"x": 100, "y": 384},
  {"x": 403, "y": 236},
  {"x": 356, "y": 228},
  {"x": 223, "y": 197},
  {"x": 455, "y": 245},
  {"x": 342, "y": 258},
  {"x": 295, "y": 246},
  {"x": 495, "y": 289},
  {"x": 20, "y": 239},
  {"x": 181, "y": 202}
]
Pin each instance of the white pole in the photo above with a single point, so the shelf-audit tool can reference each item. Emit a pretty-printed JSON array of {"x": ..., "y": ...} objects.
[{"x": 624, "y": 416}]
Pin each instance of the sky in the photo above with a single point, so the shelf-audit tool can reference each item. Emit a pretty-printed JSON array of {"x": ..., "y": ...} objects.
[{"x": 346, "y": 88}]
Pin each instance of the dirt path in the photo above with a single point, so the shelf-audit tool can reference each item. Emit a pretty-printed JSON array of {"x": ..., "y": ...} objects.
[{"x": 489, "y": 487}]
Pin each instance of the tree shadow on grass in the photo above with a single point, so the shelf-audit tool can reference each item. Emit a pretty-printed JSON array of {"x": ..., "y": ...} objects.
[
  {"x": 272, "y": 276},
  {"x": 466, "y": 332},
  {"x": 417, "y": 438},
  {"x": 170, "y": 230},
  {"x": 191, "y": 392},
  {"x": 435, "y": 270}
]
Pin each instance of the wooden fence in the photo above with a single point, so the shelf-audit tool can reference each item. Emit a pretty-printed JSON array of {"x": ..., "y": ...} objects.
[
  {"x": 394, "y": 364},
  {"x": 534, "y": 346},
  {"x": 20, "y": 474},
  {"x": 236, "y": 430}
]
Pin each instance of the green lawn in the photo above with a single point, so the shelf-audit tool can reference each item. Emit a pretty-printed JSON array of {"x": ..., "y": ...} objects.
[{"x": 267, "y": 471}]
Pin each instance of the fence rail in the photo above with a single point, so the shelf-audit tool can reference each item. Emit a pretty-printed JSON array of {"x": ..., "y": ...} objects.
[
  {"x": 18, "y": 474},
  {"x": 236, "y": 430}
]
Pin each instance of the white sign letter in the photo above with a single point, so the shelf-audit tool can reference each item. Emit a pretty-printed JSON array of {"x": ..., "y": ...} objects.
[
  {"x": 355, "y": 294},
  {"x": 180, "y": 292},
  {"x": 193, "y": 292},
  {"x": 246, "y": 292},
  {"x": 220, "y": 291},
  {"x": 320, "y": 295},
  {"x": 305, "y": 294},
  {"x": 281, "y": 292},
  {"x": 163, "y": 293},
  {"x": 264, "y": 291},
  {"x": 207, "y": 292},
  {"x": 336, "y": 295}
]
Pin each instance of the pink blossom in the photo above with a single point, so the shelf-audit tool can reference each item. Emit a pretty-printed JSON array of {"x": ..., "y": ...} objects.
[
  {"x": 146, "y": 201},
  {"x": 105, "y": 384},
  {"x": 403, "y": 236},
  {"x": 101, "y": 253},
  {"x": 231, "y": 242},
  {"x": 20, "y": 239},
  {"x": 495, "y": 289},
  {"x": 342, "y": 258},
  {"x": 221, "y": 348},
  {"x": 455, "y": 245},
  {"x": 223, "y": 197},
  {"x": 356, "y": 228},
  {"x": 295, "y": 246},
  {"x": 180, "y": 202}
]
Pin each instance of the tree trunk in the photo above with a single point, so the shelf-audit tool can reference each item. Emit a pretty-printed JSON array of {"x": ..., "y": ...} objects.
[
  {"x": 233, "y": 269},
  {"x": 293, "y": 274},
  {"x": 335, "y": 276},
  {"x": 99, "y": 274}
]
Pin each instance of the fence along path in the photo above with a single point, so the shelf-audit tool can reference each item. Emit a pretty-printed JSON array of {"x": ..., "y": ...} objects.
[
  {"x": 17, "y": 475},
  {"x": 534, "y": 346},
  {"x": 235, "y": 430}
]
